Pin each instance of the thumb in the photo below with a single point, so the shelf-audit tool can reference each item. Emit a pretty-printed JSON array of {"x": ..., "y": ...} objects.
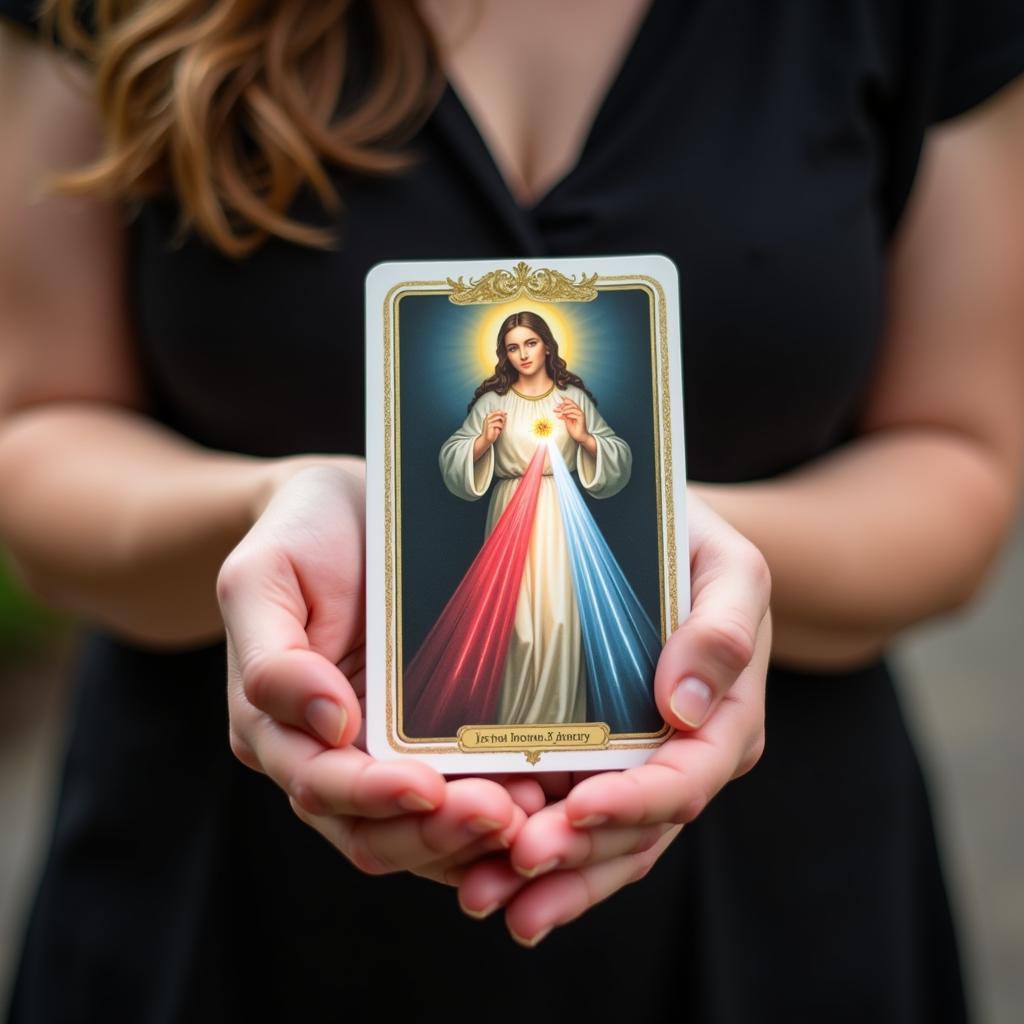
[{"x": 706, "y": 654}]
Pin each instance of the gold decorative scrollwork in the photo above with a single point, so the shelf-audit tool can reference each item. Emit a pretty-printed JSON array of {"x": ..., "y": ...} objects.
[{"x": 542, "y": 284}]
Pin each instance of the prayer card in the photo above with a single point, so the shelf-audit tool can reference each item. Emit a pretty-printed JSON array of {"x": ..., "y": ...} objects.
[{"x": 526, "y": 510}]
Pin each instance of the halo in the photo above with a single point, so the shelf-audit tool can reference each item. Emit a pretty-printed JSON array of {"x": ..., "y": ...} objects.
[{"x": 485, "y": 329}]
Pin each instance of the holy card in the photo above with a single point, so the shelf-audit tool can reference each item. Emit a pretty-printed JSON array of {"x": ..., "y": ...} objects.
[{"x": 526, "y": 518}]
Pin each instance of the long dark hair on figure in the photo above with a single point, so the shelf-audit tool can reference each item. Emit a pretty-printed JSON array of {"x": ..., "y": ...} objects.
[{"x": 505, "y": 376}]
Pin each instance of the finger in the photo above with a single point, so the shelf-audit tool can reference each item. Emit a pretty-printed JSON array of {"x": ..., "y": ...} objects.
[
  {"x": 366, "y": 845},
  {"x": 342, "y": 781},
  {"x": 487, "y": 885},
  {"x": 449, "y": 871},
  {"x": 280, "y": 671},
  {"x": 563, "y": 896},
  {"x": 241, "y": 715},
  {"x": 646, "y": 795},
  {"x": 685, "y": 772},
  {"x": 264, "y": 583},
  {"x": 547, "y": 842},
  {"x": 452, "y": 869},
  {"x": 261, "y": 603},
  {"x": 242, "y": 748},
  {"x": 472, "y": 808},
  {"x": 525, "y": 791},
  {"x": 303, "y": 689},
  {"x": 353, "y": 668},
  {"x": 703, "y": 657}
]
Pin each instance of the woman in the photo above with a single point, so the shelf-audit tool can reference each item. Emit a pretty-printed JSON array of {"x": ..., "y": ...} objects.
[
  {"x": 512, "y": 424},
  {"x": 853, "y": 357}
]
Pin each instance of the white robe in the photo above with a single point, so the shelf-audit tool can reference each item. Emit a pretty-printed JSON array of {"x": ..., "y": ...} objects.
[{"x": 545, "y": 675}]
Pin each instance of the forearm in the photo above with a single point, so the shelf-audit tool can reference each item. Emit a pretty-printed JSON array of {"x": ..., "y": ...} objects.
[
  {"x": 897, "y": 527},
  {"x": 480, "y": 446},
  {"x": 111, "y": 516}
]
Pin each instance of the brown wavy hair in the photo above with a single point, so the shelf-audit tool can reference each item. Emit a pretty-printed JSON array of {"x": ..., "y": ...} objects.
[
  {"x": 232, "y": 106},
  {"x": 505, "y": 375}
]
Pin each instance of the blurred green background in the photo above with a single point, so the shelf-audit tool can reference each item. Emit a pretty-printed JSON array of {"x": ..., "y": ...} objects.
[{"x": 25, "y": 627}]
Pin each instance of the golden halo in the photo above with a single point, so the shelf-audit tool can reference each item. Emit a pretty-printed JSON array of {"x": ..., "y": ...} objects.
[
  {"x": 543, "y": 427},
  {"x": 485, "y": 329}
]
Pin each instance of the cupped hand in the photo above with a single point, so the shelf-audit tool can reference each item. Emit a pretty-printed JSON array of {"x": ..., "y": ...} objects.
[
  {"x": 611, "y": 827},
  {"x": 292, "y": 598}
]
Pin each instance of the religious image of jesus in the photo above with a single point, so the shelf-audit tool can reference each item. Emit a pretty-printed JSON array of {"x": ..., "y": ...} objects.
[
  {"x": 531, "y": 402},
  {"x": 543, "y": 628}
]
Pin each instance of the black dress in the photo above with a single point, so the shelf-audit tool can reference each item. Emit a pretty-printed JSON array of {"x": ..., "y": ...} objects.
[{"x": 767, "y": 147}]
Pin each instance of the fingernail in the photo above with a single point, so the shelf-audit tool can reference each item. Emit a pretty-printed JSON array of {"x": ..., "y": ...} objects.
[
  {"x": 540, "y": 869},
  {"x": 414, "y": 802},
  {"x": 480, "y": 914},
  {"x": 505, "y": 837},
  {"x": 691, "y": 701},
  {"x": 530, "y": 943},
  {"x": 483, "y": 825},
  {"x": 590, "y": 821},
  {"x": 326, "y": 719}
]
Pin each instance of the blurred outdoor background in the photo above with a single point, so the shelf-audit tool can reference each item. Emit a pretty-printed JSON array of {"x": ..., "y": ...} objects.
[{"x": 963, "y": 690}]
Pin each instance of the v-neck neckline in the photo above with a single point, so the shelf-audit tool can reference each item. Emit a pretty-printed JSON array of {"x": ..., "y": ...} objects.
[{"x": 483, "y": 156}]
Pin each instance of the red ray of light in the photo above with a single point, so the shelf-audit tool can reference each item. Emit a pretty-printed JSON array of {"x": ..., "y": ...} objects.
[{"x": 455, "y": 677}]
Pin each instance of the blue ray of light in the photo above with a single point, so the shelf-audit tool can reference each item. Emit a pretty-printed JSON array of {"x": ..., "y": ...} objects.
[{"x": 620, "y": 643}]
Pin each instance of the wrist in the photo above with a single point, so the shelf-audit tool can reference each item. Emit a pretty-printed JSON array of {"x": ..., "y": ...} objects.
[{"x": 271, "y": 475}]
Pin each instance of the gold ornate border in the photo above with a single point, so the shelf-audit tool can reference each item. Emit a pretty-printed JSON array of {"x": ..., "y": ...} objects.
[
  {"x": 543, "y": 284},
  {"x": 548, "y": 285}
]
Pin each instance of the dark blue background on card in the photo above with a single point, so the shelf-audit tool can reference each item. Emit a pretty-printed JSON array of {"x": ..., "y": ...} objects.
[{"x": 438, "y": 373}]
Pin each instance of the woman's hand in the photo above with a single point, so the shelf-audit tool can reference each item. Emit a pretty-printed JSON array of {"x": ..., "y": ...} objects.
[
  {"x": 611, "y": 827},
  {"x": 292, "y": 597},
  {"x": 494, "y": 424},
  {"x": 575, "y": 420}
]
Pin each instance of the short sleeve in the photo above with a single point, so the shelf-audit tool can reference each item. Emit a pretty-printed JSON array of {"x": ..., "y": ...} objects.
[
  {"x": 982, "y": 52},
  {"x": 942, "y": 57}
]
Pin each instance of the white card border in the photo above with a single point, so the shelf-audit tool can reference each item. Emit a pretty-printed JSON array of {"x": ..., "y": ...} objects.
[{"x": 382, "y": 295}]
